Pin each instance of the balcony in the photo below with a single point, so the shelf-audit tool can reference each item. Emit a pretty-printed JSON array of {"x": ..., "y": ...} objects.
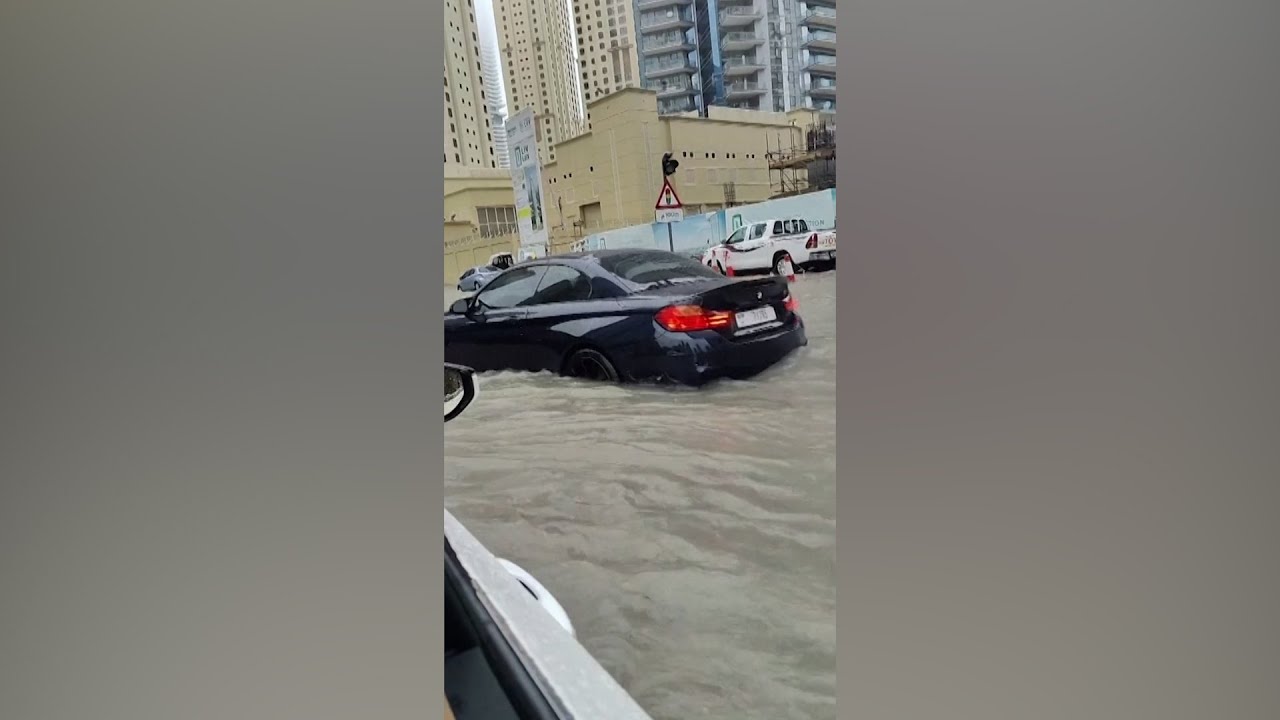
[
  {"x": 655, "y": 70},
  {"x": 734, "y": 41},
  {"x": 673, "y": 107},
  {"x": 742, "y": 90},
  {"x": 741, "y": 66},
  {"x": 821, "y": 65},
  {"x": 821, "y": 40},
  {"x": 820, "y": 17},
  {"x": 643, "y": 5},
  {"x": 659, "y": 21},
  {"x": 673, "y": 43},
  {"x": 667, "y": 89},
  {"x": 822, "y": 88},
  {"x": 739, "y": 16}
]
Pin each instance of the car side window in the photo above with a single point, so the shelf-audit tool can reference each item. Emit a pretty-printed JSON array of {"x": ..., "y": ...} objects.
[
  {"x": 802, "y": 226},
  {"x": 513, "y": 288},
  {"x": 757, "y": 231},
  {"x": 737, "y": 236},
  {"x": 561, "y": 284},
  {"x": 780, "y": 228}
]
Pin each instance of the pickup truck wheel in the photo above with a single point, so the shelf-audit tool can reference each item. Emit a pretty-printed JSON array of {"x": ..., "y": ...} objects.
[{"x": 778, "y": 260}]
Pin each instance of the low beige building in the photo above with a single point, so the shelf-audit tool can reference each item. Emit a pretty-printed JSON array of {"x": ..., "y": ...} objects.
[
  {"x": 610, "y": 176},
  {"x": 479, "y": 217}
]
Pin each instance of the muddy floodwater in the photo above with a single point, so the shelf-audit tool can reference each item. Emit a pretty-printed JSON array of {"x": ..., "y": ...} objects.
[{"x": 690, "y": 534}]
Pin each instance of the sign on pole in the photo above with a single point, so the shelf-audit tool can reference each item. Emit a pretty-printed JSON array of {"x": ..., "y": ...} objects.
[
  {"x": 668, "y": 209},
  {"x": 526, "y": 179}
]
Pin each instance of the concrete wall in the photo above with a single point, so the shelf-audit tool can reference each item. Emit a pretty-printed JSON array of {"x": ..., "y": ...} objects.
[
  {"x": 698, "y": 232},
  {"x": 463, "y": 249}
]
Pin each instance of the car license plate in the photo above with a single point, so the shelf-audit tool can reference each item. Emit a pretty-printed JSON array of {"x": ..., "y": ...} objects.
[{"x": 758, "y": 316}]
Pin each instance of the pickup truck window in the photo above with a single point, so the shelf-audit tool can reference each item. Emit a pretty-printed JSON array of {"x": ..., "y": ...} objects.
[
  {"x": 758, "y": 230},
  {"x": 737, "y": 236},
  {"x": 780, "y": 228}
]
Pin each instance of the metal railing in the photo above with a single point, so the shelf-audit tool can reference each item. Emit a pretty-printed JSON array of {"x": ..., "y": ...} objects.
[
  {"x": 659, "y": 19},
  {"x": 668, "y": 86},
  {"x": 671, "y": 40},
  {"x": 659, "y": 66}
]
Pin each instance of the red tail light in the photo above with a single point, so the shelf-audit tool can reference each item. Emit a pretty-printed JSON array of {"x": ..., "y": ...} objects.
[
  {"x": 691, "y": 318},
  {"x": 791, "y": 304},
  {"x": 813, "y": 242}
]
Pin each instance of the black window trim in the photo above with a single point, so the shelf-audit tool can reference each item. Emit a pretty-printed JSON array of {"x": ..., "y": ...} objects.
[
  {"x": 490, "y": 286},
  {"x": 547, "y": 267}
]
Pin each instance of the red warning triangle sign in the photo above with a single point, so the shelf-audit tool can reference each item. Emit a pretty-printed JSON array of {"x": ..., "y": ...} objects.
[{"x": 667, "y": 199}]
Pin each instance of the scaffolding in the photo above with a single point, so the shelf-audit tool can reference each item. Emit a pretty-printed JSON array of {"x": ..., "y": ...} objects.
[{"x": 806, "y": 167}]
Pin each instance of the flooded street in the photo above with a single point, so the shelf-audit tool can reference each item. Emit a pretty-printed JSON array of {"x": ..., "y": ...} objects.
[{"x": 690, "y": 534}]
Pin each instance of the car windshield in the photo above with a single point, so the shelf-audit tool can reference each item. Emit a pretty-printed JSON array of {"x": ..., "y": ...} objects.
[{"x": 645, "y": 268}]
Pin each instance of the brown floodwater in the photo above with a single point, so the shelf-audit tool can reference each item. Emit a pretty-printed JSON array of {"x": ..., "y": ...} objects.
[{"x": 690, "y": 534}]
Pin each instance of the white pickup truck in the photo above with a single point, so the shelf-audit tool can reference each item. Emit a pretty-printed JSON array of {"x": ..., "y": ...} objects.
[{"x": 766, "y": 246}]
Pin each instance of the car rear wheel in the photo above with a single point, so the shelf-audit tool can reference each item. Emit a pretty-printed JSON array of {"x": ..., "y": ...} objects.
[
  {"x": 589, "y": 364},
  {"x": 778, "y": 260}
]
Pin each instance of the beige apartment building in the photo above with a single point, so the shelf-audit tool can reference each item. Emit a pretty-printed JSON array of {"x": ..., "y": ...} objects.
[
  {"x": 535, "y": 40},
  {"x": 468, "y": 133},
  {"x": 610, "y": 176},
  {"x": 608, "y": 59}
]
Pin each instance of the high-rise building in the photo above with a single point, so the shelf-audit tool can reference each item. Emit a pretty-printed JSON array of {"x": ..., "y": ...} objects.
[
  {"x": 491, "y": 66},
  {"x": 536, "y": 42},
  {"x": 468, "y": 135},
  {"x": 816, "y": 59},
  {"x": 677, "y": 56},
  {"x": 608, "y": 60},
  {"x": 774, "y": 55}
]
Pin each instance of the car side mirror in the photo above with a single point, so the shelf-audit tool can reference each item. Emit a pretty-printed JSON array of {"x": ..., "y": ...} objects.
[
  {"x": 460, "y": 306},
  {"x": 459, "y": 390}
]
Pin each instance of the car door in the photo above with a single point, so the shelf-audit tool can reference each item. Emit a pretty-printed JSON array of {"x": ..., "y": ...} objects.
[
  {"x": 561, "y": 313},
  {"x": 489, "y": 335},
  {"x": 721, "y": 253},
  {"x": 751, "y": 252}
]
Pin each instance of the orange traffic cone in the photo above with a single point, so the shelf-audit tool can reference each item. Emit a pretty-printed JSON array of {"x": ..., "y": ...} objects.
[{"x": 728, "y": 270}]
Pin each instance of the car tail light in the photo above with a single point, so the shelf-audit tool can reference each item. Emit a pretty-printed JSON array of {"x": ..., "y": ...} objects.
[
  {"x": 813, "y": 242},
  {"x": 791, "y": 304},
  {"x": 691, "y": 318}
]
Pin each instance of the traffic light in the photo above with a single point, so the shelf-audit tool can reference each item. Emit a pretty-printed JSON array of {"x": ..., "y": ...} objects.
[{"x": 669, "y": 164}]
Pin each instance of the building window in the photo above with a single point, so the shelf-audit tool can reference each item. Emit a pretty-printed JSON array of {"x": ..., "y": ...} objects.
[{"x": 495, "y": 221}]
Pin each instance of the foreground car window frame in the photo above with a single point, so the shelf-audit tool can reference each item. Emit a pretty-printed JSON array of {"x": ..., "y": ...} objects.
[{"x": 518, "y": 685}]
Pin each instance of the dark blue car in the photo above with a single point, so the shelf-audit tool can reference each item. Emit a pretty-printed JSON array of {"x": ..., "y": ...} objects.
[{"x": 624, "y": 315}]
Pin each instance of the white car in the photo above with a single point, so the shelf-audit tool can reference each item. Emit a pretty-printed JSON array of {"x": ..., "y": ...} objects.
[
  {"x": 767, "y": 246},
  {"x": 510, "y": 650}
]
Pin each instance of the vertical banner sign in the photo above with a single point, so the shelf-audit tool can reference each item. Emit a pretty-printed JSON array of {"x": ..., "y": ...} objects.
[{"x": 526, "y": 178}]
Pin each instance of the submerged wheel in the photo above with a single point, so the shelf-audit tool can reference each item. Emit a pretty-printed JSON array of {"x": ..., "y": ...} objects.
[
  {"x": 588, "y": 364},
  {"x": 778, "y": 260}
]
